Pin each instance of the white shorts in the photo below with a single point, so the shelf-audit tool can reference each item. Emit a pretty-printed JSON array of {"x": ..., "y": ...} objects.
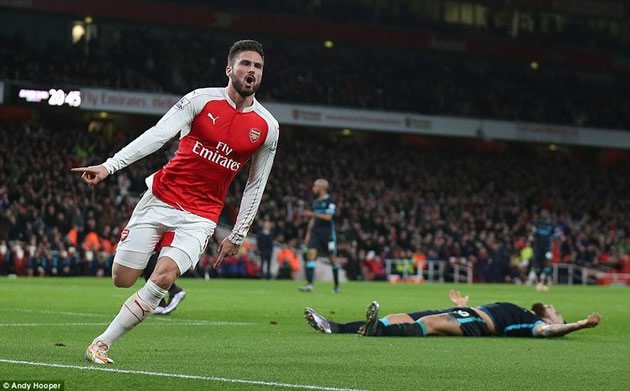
[{"x": 187, "y": 234}]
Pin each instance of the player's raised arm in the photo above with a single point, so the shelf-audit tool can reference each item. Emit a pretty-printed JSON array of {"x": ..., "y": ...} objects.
[
  {"x": 457, "y": 299},
  {"x": 546, "y": 330}
]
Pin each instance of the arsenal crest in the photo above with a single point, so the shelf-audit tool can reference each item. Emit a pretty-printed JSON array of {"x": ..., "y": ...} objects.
[
  {"x": 124, "y": 234},
  {"x": 254, "y": 135}
]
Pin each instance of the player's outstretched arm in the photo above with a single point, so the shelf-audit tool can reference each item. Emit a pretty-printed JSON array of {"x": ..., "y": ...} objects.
[
  {"x": 457, "y": 299},
  {"x": 558, "y": 330},
  {"x": 92, "y": 174},
  {"x": 178, "y": 119}
]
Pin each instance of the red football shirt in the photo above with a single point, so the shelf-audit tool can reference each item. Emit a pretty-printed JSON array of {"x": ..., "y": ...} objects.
[{"x": 216, "y": 140}]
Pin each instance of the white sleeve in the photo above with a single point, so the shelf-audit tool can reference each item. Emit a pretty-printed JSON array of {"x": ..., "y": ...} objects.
[
  {"x": 262, "y": 161},
  {"x": 178, "y": 118}
]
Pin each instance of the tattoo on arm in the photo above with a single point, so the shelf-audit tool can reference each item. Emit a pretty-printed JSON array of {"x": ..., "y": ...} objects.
[{"x": 556, "y": 330}]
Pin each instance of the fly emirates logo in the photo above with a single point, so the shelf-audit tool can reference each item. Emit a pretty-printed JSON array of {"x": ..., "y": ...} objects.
[{"x": 215, "y": 156}]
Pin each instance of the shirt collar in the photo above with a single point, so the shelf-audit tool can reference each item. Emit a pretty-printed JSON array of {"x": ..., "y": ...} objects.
[{"x": 231, "y": 102}]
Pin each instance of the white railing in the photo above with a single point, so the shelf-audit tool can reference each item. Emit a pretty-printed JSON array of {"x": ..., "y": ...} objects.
[
  {"x": 462, "y": 273},
  {"x": 619, "y": 278},
  {"x": 438, "y": 271},
  {"x": 435, "y": 270},
  {"x": 576, "y": 274}
]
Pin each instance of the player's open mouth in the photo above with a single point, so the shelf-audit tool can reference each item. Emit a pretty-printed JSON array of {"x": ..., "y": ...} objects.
[{"x": 250, "y": 79}]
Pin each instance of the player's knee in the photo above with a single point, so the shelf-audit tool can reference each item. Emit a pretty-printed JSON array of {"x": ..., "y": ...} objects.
[
  {"x": 127, "y": 267},
  {"x": 431, "y": 323},
  {"x": 165, "y": 274},
  {"x": 163, "y": 279},
  {"x": 122, "y": 281},
  {"x": 312, "y": 254}
]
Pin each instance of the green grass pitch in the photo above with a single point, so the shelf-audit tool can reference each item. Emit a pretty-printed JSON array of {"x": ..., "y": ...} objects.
[{"x": 251, "y": 335}]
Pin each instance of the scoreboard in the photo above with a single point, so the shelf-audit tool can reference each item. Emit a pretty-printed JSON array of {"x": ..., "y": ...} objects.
[
  {"x": 51, "y": 97},
  {"x": 41, "y": 95}
]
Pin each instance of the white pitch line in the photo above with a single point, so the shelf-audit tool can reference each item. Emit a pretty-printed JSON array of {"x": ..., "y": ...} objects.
[
  {"x": 193, "y": 322},
  {"x": 50, "y": 324},
  {"x": 184, "y": 323},
  {"x": 179, "y": 376},
  {"x": 56, "y": 312}
]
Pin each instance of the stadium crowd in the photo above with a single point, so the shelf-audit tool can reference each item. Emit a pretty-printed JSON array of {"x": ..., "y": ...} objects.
[
  {"x": 432, "y": 84},
  {"x": 394, "y": 201}
]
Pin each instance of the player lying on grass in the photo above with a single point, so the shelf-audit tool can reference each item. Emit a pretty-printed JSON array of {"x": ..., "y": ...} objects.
[
  {"x": 323, "y": 325},
  {"x": 496, "y": 319}
]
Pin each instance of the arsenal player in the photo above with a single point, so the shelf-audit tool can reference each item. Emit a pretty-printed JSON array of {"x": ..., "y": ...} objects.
[{"x": 219, "y": 129}]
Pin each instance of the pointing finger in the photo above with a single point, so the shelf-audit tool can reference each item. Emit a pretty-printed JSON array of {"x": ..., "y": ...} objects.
[
  {"x": 217, "y": 263},
  {"x": 81, "y": 169}
]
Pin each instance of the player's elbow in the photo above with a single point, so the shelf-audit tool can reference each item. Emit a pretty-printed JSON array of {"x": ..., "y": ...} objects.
[{"x": 543, "y": 331}]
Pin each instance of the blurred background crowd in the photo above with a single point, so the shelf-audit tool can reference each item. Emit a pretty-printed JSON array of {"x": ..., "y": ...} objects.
[
  {"x": 469, "y": 202},
  {"x": 394, "y": 199}
]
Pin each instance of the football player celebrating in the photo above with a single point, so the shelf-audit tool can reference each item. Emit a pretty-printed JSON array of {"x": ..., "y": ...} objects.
[{"x": 219, "y": 129}]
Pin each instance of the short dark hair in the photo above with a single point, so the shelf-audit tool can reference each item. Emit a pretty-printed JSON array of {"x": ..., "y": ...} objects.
[
  {"x": 539, "y": 310},
  {"x": 243, "y": 46}
]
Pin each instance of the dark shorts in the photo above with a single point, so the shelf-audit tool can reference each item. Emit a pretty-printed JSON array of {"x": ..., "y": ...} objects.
[
  {"x": 323, "y": 243},
  {"x": 417, "y": 315},
  {"x": 540, "y": 257},
  {"x": 471, "y": 324}
]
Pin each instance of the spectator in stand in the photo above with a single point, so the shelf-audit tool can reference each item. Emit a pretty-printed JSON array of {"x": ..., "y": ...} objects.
[
  {"x": 91, "y": 241},
  {"x": 288, "y": 260},
  {"x": 264, "y": 244},
  {"x": 373, "y": 267}
]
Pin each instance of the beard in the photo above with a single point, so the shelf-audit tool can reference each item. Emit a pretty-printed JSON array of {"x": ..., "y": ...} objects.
[{"x": 239, "y": 86}]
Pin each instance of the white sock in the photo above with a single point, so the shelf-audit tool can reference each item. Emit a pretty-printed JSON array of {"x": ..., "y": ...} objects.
[{"x": 133, "y": 311}]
